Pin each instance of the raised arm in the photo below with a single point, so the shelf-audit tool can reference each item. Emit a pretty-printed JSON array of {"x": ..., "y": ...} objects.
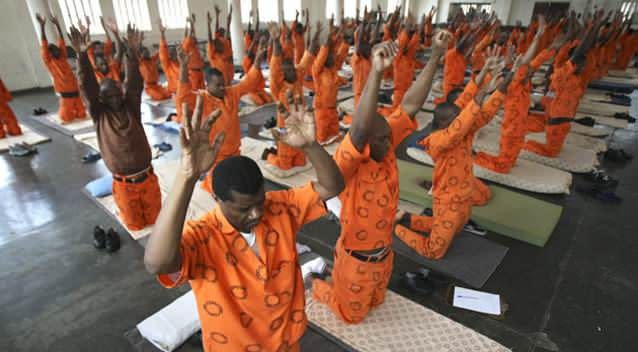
[
  {"x": 382, "y": 56},
  {"x": 43, "y": 33},
  {"x": 105, "y": 28},
  {"x": 209, "y": 20},
  {"x": 86, "y": 77},
  {"x": 162, "y": 253},
  {"x": 134, "y": 84},
  {"x": 531, "y": 51},
  {"x": 217, "y": 12},
  {"x": 419, "y": 90},
  {"x": 300, "y": 133},
  {"x": 229, "y": 18}
]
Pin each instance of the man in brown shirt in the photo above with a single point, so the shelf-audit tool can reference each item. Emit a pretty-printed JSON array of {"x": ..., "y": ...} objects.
[{"x": 116, "y": 113}]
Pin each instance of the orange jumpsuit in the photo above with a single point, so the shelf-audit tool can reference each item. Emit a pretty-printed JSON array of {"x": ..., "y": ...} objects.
[
  {"x": 248, "y": 301},
  {"x": 287, "y": 157},
  {"x": 569, "y": 88},
  {"x": 229, "y": 119},
  {"x": 453, "y": 71},
  {"x": 259, "y": 96},
  {"x": 454, "y": 185},
  {"x": 64, "y": 83},
  {"x": 8, "y": 122},
  {"x": 195, "y": 64},
  {"x": 514, "y": 128},
  {"x": 148, "y": 69},
  {"x": 360, "y": 70},
  {"x": 170, "y": 68},
  {"x": 403, "y": 68},
  {"x": 108, "y": 52},
  {"x": 628, "y": 48},
  {"x": 114, "y": 72},
  {"x": 219, "y": 61},
  {"x": 369, "y": 204},
  {"x": 325, "y": 101}
]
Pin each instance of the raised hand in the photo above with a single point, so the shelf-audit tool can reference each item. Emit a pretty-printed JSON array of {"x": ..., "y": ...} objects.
[
  {"x": 79, "y": 40},
  {"x": 198, "y": 154},
  {"x": 300, "y": 124},
  {"x": 440, "y": 42},
  {"x": 134, "y": 40},
  {"x": 162, "y": 27},
  {"x": 217, "y": 10},
  {"x": 182, "y": 56},
  {"x": 111, "y": 25},
  {"x": 383, "y": 55},
  {"x": 54, "y": 20},
  {"x": 542, "y": 25},
  {"x": 41, "y": 19}
]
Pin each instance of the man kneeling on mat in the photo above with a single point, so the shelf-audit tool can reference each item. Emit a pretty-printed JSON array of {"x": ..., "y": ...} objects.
[
  {"x": 240, "y": 259},
  {"x": 453, "y": 191},
  {"x": 363, "y": 254},
  {"x": 118, "y": 122}
]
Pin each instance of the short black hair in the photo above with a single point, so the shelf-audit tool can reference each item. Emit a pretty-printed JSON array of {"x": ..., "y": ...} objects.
[
  {"x": 444, "y": 114},
  {"x": 453, "y": 95},
  {"x": 239, "y": 174},
  {"x": 211, "y": 71}
]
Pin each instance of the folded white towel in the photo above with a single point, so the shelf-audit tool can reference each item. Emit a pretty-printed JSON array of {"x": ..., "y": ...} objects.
[
  {"x": 315, "y": 266},
  {"x": 174, "y": 324}
]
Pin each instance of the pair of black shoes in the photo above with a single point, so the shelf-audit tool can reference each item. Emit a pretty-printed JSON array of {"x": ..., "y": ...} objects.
[
  {"x": 106, "y": 240},
  {"x": 423, "y": 281}
]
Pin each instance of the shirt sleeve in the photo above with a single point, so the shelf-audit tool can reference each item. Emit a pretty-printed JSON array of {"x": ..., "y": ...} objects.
[
  {"x": 401, "y": 125},
  {"x": 320, "y": 61},
  {"x": 306, "y": 61},
  {"x": 250, "y": 81},
  {"x": 44, "y": 51},
  {"x": 191, "y": 252},
  {"x": 304, "y": 204},
  {"x": 348, "y": 158},
  {"x": 468, "y": 94},
  {"x": 444, "y": 139},
  {"x": 541, "y": 58},
  {"x": 276, "y": 76},
  {"x": 488, "y": 110}
]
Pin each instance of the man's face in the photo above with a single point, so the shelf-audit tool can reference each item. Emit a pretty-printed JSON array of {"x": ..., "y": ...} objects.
[
  {"x": 244, "y": 211},
  {"x": 54, "y": 51},
  {"x": 215, "y": 86},
  {"x": 172, "y": 53},
  {"x": 380, "y": 139},
  {"x": 290, "y": 74},
  {"x": 146, "y": 54},
  {"x": 111, "y": 94},
  {"x": 101, "y": 65}
]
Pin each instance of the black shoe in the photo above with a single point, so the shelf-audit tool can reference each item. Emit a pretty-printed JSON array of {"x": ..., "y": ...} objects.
[
  {"x": 418, "y": 282},
  {"x": 99, "y": 237},
  {"x": 268, "y": 151},
  {"x": 112, "y": 242},
  {"x": 474, "y": 228},
  {"x": 405, "y": 220},
  {"x": 39, "y": 111},
  {"x": 601, "y": 180},
  {"x": 427, "y": 212},
  {"x": 271, "y": 123},
  {"x": 586, "y": 121},
  {"x": 617, "y": 155},
  {"x": 91, "y": 157}
]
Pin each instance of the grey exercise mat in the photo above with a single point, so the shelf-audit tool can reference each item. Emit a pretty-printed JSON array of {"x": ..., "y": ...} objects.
[{"x": 471, "y": 259}]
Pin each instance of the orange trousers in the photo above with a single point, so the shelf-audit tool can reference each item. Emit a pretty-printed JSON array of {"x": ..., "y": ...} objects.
[
  {"x": 8, "y": 121},
  {"x": 509, "y": 148},
  {"x": 327, "y": 124},
  {"x": 157, "y": 92},
  {"x": 139, "y": 203},
  {"x": 448, "y": 220},
  {"x": 196, "y": 77},
  {"x": 356, "y": 287},
  {"x": 536, "y": 123},
  {"x": 555, "y": 136},
  {"x": 207, "y": 184},
  {"x": 260, "y": 97},
  {"x": 71, "y": 109}
]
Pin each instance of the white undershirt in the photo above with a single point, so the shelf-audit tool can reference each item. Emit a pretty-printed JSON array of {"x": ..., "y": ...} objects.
[{"x": 251, "y": 239}]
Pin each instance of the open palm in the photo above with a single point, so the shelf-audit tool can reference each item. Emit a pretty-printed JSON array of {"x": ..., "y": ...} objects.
[{"x": 300, "y": 125}]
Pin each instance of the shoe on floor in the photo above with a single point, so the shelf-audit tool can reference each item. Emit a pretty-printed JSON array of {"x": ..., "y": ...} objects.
[
  {"x": 99, "y": 237},
  {"x": 474, "y": 228},
  {"x": 270, "y": 123},
  {"x": 418, "y": 282},
  {"x": 21, "y": 150},
  {"x": 91, "y": 157},
  {"x": 586, "y": 121},
  {"x": 112, "y": 242},
  {"x": 164, "y": 147},
  {"x": 39, "y": 111},
  {"x": 617, "y": 155},
  {"x": 601, "y": 180}
]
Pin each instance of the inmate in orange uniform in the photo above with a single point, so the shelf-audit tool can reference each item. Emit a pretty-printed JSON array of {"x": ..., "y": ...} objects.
[
  {"x": 369, "y": 204},
  {"x": 514, "y": 128},
  {"x": 403, "y": 68},
  {"x": 287, "y": 157},
  {"x": 325, "y": 101},
  {"x": 453, "y": 181},
  {"x": 8, "y": 121},
  {"x": 229, "y": 119},
  {"x": 360, "y": 71},
  {"x": 169, "y": 66},
  {"x": 113, "y": 69},
  {"x": 64, "y": 83},
  {"x": 568, "y": 87},
  {"x": 259, "y": 96},
  {"x": 148, "y": 69},
  {"x": 628, "y": 48},
  {"x": 453, "y": 70},
  {"x": 195, "y": 64},
  {"x": 218, "y": 57},
  {"x": 245, "y": 301}
]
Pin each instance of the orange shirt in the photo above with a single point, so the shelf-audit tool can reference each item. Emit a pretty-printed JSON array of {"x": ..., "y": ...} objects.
[
  {"x": 148, "y": 69},
  {"x": 108, "y": 52},
  {"x": 190, "y": 46},
  {"x": 451, "y": 150},
  {"x": 279, "y": 86},
  {"x": 114, "y": 72},
  {"x": 361, "y": 67},
  {"x": 568, "y": 87},
  {"x": 341, "y": 54},
  {"x": 453, "y": 70},
  {"x": 170, "y": 68},
  {"x": 325, "y": 80},
  {"x": 371, "y": 197},
  {"x": 563, "y": 53},
  {"x": 64, "y": 80},
  {"x": 403, "y": 64},
  {"x": 249, "y": 302},
  {"x": 218, "y": 61},
  {"x": 229, "y": 106},
  {"x": 5, "y": 95}
]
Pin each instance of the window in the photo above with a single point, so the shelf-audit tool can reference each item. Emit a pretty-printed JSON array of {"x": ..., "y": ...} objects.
[
  {"x": 134, "y": 12},
  {"x": 628, "y": 8},
  {"x": 406, "y": 9},
  {"x": 74, "y": 12},
  {"x": 268, "y": 11},
  {"x": 173, "y": 13},
  {"x": 290, "y": 6},
  {"x": 246, "y": 7},
  {"x": 350, "y": 9},
  {"x": 331, "y": 8}
]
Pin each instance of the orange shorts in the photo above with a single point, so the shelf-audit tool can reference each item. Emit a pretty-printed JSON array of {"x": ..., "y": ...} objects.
[{"x": 139, "y": 203}]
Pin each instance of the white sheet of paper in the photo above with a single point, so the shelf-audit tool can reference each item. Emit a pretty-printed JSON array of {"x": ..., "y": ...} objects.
[{"x": 477, "y": 301}]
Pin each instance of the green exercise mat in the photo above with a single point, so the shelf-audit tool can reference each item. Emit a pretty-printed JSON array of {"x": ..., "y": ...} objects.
[{"x": 508, "y": 213}]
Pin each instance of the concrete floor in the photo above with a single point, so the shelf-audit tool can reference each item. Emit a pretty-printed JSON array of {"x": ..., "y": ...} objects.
[{"x": 59, "y": 294}]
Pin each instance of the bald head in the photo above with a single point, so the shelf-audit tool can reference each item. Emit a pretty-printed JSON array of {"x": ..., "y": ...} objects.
[
  {"x": 380, "y": 138},
  {"x": 444, "y": 114},
  {"x": 111, "y": 94}
]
